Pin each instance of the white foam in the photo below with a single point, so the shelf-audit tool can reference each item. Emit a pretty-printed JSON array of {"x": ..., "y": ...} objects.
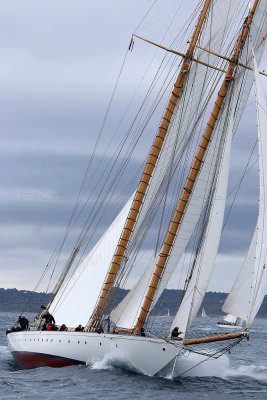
[
  {"x": 258, "y": 372},
  {"x": 112, "y": 360}
]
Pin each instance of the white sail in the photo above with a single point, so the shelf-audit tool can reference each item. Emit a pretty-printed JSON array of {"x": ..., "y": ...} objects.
[
  {"x": 230, "y": 318},
  {"x": 77, "y": 298},
  {"x": 203, "y": 313},
  {"x": 133, "y": 301},
  {"x": 250, "y": 287},
  {"x": 198, "y": 81},
  {"x": 203, "y": 268},
  {"x": 243, "y": 83},
  {"x": 237, "y": 302},
  {"x": 125, "y": 315}
]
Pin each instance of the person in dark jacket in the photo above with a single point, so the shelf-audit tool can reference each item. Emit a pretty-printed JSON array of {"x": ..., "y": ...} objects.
[
  {"x": 79, "y": 328},
  {"x": 24, "y": 323},
  {"x": 100, "y": 329},
  {"x": 63, "y": 328},
  {"x": 176, "y": 333},
  {"x": 142, "y": 332},
  {"x": 48, "y": 318}
]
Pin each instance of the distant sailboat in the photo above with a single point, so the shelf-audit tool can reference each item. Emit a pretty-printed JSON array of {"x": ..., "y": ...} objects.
[
  {"x": 203, "y": 313},
  {"x": 217, "y": 59}
]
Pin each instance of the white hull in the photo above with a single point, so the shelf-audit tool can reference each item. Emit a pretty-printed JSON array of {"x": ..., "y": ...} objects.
[
  {"x": 226, "y": 326},
  {"x": 149, "y": 356}
]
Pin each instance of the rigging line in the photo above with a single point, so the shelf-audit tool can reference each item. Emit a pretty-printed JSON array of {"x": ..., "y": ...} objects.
[
  {"x": 226, "y": 350},
  {"x": 137, "y": 90},
  {"x": 205, "y": 223},
  {"x": 83, "y": 253},
  {"x": 248, "y": 170},
  {"x": 78, "y": 199},
  {"x": 144, "y": 17},
  {"x": 144, "y": 103},
  {"x": 239, "y": 185}
]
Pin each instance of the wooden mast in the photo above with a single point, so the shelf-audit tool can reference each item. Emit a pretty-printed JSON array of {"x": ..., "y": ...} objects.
[
  {"x": 166, "y": 248},
  {"x": 149, "y": 168}
]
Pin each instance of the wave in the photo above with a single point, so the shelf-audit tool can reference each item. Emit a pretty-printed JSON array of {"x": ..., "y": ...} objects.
[
  {"x": 253, "y": 371},
  {"x": 111, "y": 361}
]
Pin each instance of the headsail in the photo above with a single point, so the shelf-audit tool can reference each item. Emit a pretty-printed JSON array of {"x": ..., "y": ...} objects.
[
  {"x": 250, "y": 287},
  {"x": 77, "y": 297}
]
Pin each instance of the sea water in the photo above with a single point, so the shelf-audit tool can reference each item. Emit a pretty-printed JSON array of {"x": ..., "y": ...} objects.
[{"x": 242, "y": 374}]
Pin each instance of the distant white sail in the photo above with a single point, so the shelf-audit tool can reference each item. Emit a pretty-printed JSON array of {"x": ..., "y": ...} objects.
[
  {"x": 77, "y": 298},
  {"x": 250, "y": 287},
  {"x": 230, "y": 318},
  {"x": 203, "y": 313}
]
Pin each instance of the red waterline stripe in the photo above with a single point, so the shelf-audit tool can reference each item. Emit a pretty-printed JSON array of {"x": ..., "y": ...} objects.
[{"x": 28, "y": 360}]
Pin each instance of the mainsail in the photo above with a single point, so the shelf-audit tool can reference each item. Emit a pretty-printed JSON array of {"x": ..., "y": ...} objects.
[{"x": 250, "y": 287}]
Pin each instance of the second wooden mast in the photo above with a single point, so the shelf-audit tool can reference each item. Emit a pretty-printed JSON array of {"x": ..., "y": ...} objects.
[
  {"x": 149, "y": 168},
  {"x": 189, "y": 185}
]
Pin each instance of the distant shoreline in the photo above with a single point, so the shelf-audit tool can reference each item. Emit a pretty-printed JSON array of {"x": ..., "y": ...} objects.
[{"x": 14, "y": 300}]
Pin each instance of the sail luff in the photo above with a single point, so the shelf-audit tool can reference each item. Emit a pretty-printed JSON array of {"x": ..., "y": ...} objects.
[
  {"x": 158, "y": 271},
  {"x": 150, "y": 165}
]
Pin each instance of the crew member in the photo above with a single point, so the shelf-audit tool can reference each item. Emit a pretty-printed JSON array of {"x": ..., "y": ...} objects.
[
  {"x": 100, "y": 329},
  {"x": 48, "y": 318},
  {"x": 175, "y": 333},
  {"x": 24, "y": 323},
  {"x": 79, "y": 328}
]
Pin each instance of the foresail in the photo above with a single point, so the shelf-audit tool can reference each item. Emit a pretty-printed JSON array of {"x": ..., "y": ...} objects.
[
  {"x": 237, "y": 302},
  {"x": 260, "y": 275},
  {"x": 250, "y": 287},
  {"x": 76, "y": 299},
  {"x": 125, "y": 314}
]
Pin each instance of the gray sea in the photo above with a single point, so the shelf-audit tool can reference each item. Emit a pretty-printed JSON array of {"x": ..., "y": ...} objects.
[{"x": 242, "y": 374}]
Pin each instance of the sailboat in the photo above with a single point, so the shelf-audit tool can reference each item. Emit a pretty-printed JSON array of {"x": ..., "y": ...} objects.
[
  {"x": 203, "y": 313},
  {"x": 189, "y": 163}
]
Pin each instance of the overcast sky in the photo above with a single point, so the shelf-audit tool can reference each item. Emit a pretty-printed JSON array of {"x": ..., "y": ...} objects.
[{"x": 59, "y": 63}]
